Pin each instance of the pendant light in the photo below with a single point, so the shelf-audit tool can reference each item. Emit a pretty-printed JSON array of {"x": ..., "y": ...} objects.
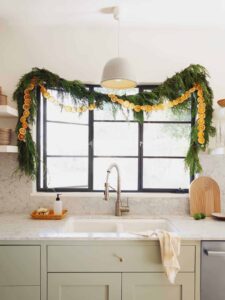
[{"x": 117, "y": 73}]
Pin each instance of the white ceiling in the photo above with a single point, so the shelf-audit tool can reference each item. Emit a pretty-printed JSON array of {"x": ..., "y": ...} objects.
[
  {"x": 147, "y": 13},
  {"x": 75, "y": 38}
]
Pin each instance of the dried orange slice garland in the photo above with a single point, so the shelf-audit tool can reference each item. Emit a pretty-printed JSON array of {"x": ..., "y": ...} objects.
[
  {"x": 26, "y": 110},
  {"x": 172, "y": 103},
  {"x": 68, "y": 108},
  {"x": 125, "y": 103}
]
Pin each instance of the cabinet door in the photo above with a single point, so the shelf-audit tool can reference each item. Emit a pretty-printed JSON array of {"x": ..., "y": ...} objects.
[
  {"x": 149, "y": 286},
  {"x": 20, "y": 292},
  {"x": 84, "y": 286},
  {"x": 19, "y": 265}
]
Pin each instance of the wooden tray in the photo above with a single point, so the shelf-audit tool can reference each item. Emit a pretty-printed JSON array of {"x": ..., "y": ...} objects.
[{"x": 50, "y": 216}]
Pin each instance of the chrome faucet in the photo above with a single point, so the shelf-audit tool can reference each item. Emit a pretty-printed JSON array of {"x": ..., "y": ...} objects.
[{"x": 119, "y": 207}]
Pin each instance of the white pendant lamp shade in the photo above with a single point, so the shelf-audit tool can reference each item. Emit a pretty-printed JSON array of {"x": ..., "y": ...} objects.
[{"x": 117, "y": 74}]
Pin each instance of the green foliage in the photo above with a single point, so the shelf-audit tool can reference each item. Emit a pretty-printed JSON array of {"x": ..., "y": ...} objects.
[{"x": 171, "y": 89}]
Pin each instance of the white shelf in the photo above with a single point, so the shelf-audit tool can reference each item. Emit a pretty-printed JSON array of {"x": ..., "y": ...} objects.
[
  {"x": 8, "y": 149},
  {"x": 7, "y": 111}
]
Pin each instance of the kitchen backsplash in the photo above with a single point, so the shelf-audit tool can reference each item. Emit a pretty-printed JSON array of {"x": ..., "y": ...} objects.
[{"x": 16, "y": 194}]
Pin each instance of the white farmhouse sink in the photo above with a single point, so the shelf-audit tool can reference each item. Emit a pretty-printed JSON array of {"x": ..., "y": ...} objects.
[
  {"x": 91, "y": 226},
  {"x": 137, "y": 225},
  {"x": 116, "y": 225}
]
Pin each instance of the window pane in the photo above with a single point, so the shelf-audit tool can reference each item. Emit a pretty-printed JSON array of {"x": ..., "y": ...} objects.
[
  {"x": 55, "y": 113},
  {"x": 166, "y": 139},
  {"x": 127, "y": 92},
  {"x": 165, "y": 174},
  {"x": 115, "y": 138},
  {"x": 128, "y": 168},
  {"x": 67, "y": 172},
  {"x": 67, "y": 139},
  {"x": 168, "y": 114},
  {"x": 111, "y": 112}
]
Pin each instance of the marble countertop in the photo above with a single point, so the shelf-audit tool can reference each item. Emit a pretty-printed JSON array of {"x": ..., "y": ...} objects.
[{"x": 22, "y": 227}]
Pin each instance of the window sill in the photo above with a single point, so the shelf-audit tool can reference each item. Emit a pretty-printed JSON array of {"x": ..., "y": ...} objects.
[{"x": 100, "y": 195}]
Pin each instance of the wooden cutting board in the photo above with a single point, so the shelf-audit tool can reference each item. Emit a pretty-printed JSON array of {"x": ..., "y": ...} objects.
[{"x": 204, "y": 196}]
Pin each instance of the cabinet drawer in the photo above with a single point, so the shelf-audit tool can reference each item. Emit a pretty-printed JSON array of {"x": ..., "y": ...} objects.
[
  {"x": 19, "y": 265},
  {"x": 102, "y": 258},
  {"x": 20, "y": 292}
]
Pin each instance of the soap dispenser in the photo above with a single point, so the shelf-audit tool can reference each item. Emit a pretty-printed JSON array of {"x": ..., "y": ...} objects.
[{"x": 58, "y": 205}]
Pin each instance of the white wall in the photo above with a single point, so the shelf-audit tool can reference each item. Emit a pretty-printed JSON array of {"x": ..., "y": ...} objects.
[{"x": 79, "y": 51}]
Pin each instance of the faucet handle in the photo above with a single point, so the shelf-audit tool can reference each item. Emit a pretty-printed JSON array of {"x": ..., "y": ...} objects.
[
  {"x": 125, "y": 208},
  {"x": 106, "y": 192},
  {"x": 127, "y": 204}
]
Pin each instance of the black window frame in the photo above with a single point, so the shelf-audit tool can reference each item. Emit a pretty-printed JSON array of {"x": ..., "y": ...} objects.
[{"x": 91, "y": 155}]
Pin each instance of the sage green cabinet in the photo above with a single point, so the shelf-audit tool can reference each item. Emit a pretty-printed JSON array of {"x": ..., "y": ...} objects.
[
  {"x": 149, "y": 286},
  {"x": 96, "y": 270},
  {"x": 106, "y": 258},
  {"x": 108, "y": 286},
  {"x": 84, "y": 286},
  {"x": 20, "y": 272},
  {"x": 20, "y": 293},
  {"x": 19, "y": 265},
  {"x": 119, "y": 270}
]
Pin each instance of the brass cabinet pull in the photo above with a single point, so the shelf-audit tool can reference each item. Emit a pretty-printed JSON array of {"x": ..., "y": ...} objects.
[{"x": 119, "y": 257}]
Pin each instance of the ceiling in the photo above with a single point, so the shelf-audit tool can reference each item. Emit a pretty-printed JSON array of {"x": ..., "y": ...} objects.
[
  {"x": 144, "y": 13},
  {"x": 75, "y": 38}
]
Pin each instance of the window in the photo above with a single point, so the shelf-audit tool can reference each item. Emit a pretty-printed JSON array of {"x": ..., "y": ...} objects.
[{"x": 76, "y": 150}]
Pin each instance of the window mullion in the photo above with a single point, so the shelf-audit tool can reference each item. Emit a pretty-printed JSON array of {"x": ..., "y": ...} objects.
[
  {"x": 90, "y": 150},
  {"x": 140, "y": 157},
  {"x": 45, "y": 167},
  {"x": 140, "y": 153}
]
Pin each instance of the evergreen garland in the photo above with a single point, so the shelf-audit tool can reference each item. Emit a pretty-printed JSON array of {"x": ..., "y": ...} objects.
[{"x": 170, "y": 89}]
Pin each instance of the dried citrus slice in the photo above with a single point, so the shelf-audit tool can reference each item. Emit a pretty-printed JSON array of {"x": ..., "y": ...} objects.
[
  {"x": 120, "y": 101},
  {"x": 201, "y": 122},
  {"x": 21, "y": 137},
  {"x": 201, "y": 141},
  {"x": 23, "y": 119},
  {"x": 201, "y": 127},
  {"x": 26, "y": 113},
  {"x": 131, "y": 105},
  {"x": 46, "y": 95},
  {"x": 83, "y": 108},
  {"x": 22, "y": 131},
  {"x": 91, "y": 106},
  {"x": 200, "y": 134},
  {"x": 126, "y": 104},
  {"x": 26, "y": 96},
  {"x": 27, "y": 101},
  {"x": 201, "y": 110},
  {"x": 113, "y": 98},
  {"x": 25, "y": 125},
  {"x": 148, "y": 108},
  {"x": 26, "y": 92},
  {"x": 26, "y": 106},
  {"x": 137, "y": 108},
  {"x": 192, "y": 90},
  {"x": 30, "y": 86}
]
